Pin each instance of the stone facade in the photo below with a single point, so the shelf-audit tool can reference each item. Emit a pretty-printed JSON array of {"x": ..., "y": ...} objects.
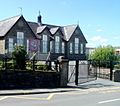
[{"x": 36, "y": 30}]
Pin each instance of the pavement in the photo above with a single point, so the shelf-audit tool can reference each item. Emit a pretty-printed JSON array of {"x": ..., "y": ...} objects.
[{"x": 98, "y": 84}]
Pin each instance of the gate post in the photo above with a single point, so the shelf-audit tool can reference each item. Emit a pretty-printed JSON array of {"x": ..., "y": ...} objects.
[
  {"x": 63, "y": 67},
  {"x": 111, "y": 70},
  {"x": 76, "y": 72}
]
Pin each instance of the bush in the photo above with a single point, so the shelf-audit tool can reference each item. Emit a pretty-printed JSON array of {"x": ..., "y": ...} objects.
[
  {"x": 117, "y": 66},
  {"x": 19, "y": 56}
]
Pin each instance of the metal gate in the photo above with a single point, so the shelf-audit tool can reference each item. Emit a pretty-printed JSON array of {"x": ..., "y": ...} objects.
[{"x": 81, "y": 73}]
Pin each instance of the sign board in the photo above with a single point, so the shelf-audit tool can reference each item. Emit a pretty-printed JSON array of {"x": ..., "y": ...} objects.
[{"x": 33, "y": 45}]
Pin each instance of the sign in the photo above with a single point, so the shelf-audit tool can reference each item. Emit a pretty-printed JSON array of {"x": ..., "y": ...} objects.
[{"x": 33, "y": 45}]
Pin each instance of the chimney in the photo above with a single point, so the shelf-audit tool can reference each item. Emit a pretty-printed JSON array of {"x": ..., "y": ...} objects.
[{"x": 39, "y": 19}]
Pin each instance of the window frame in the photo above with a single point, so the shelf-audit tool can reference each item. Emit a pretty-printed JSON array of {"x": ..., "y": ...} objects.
[
  {"x": 71, "y": 48},
  {"x": 20, "y": 38},
  {"x": 57, "y": 44},
  {"x": 76, "y": 46},
  {"x": 44, "y": 44},
  {"x": 10, "y": 49}
]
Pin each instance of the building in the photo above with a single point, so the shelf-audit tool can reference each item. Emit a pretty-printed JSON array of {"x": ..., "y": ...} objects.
[{"x": 44, "y": 40}]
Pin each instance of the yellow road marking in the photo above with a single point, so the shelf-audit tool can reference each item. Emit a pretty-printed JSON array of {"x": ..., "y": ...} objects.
[
  {"x": 50, "y": 96},
  {"x": 110, "y": 91},
  {"x": 3, "y": 97},
  {"x": 33, "y": 98}
]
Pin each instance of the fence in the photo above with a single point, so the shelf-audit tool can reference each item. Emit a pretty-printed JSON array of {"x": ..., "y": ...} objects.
[
  {"x": 35, "y": 74},
  {"x": 30, "y": 65}
]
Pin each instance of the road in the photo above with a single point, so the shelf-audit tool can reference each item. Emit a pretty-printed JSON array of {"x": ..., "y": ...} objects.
[{"x": 104, "y": 97}]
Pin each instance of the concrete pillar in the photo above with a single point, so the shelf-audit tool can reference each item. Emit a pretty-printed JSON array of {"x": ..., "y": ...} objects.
[{"x": 63, "y": 67}]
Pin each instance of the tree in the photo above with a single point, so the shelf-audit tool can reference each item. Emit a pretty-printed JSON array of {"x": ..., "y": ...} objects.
[
  {"x": 104, "y": 54},
  {"x": 19, "y": 56}
]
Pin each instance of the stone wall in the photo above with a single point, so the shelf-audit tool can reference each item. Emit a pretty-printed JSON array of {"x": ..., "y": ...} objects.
[{"x": 26, "y": 79}]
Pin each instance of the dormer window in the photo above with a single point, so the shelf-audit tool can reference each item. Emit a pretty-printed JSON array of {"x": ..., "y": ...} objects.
[
  {"x": 45, "y": 39},
  {"x": 20, "y": 38},
  {"x": 76, "y": 46},
  {"x": 57, "y": 44}
]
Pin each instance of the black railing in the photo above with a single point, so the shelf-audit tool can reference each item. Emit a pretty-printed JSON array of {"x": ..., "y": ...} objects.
[{"x": 30, "y": 65}]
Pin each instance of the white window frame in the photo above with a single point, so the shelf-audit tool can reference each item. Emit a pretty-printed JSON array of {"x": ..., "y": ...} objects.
[
  {"x": 45, "y": 44},
  {"x": 76, "y": 46},
  {"x": 20, "y": 38},
  {"x": 10, "y": 48},
  {"x": 57, "y": 44}
]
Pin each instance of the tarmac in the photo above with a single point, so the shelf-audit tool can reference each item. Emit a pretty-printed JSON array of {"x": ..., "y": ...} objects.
[{"x": 98, "y": 84}]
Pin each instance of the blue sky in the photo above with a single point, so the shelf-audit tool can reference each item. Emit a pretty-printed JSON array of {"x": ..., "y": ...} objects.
[{"x": 99, "y": 20}]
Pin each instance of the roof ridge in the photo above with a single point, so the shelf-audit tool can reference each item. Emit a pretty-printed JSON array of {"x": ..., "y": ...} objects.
[
  {"x": 10, "y": 18},
  {"x": 32, "y": 22}
]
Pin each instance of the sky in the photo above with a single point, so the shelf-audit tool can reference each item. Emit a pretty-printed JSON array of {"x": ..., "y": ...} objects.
[{"x": 99, "y": 20}]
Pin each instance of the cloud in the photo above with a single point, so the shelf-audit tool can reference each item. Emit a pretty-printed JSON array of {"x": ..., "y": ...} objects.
[
  {"x": 99, "y": 30},
  {"x": 97, "y": 41}
]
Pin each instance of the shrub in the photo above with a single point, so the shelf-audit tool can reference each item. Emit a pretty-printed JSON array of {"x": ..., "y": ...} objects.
[{"x": 19, "y": 56}]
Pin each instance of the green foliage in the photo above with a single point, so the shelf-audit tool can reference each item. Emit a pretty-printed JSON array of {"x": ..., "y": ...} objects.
[
  {"x": 104, "y": 54},
  {"x": 42, "y": 67},
  {"x": 117, "y": 66},
  {"x": 19, "y": 56}
]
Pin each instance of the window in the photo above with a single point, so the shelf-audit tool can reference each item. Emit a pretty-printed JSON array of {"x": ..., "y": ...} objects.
[
  {"x": 71, "y": 48},
  {"x": 10, "y": 45},
  {"x": 76, "y": 45},
  {"x": 57, "y": 44},
  {"x": 51, "y": 46},
  {"x": 20, "y": 38},
  {"x": 63, "y": 47},
  {"x": 81, "y": 48},
  {"x": 45, "y": 44},
  {"x": 27, "y": 46}
]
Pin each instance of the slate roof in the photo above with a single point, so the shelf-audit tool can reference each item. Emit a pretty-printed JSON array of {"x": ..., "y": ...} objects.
[
  {"x": 40, "y": 29},
  {"x": 54, "y": 30},
  {"x": 7, "y": 24},
  {"x": 33, "y": 26},
  {"x": 68, "y": 31}
]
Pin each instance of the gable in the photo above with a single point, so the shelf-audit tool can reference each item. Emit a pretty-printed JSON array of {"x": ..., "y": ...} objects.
[
  {"x": 7, "y": 24},
  {"x": 78, "y": 33},
  {"x": 44, "y": 30},
  {"x": 21, "y": 26}
]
